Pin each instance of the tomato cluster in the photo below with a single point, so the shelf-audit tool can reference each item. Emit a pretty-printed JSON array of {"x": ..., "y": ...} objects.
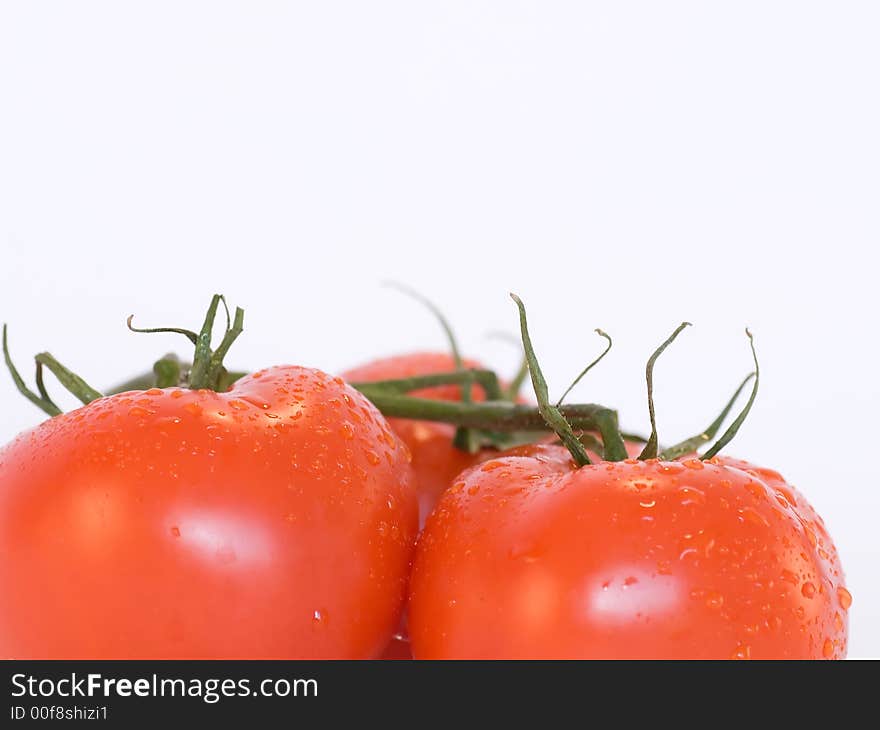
[{"x": 284, "y": 516}]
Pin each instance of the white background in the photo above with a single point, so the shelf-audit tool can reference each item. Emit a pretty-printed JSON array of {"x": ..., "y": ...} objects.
[{"x": 624, "y": 165}]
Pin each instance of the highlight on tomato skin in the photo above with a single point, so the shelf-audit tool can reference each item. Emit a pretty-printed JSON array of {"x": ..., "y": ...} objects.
[
  {"x": 274, "y": 520},
  {"x": 528, "y": 557}
]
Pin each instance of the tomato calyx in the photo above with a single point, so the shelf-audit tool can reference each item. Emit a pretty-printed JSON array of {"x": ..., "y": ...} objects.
[
  {"x": 70, "y": 380},
  {"x": 692, "y": 444},
  {"x": 650, "y": 450},
  {"x": 206, "y": 371},
  {"x": 496, "y": 422}
]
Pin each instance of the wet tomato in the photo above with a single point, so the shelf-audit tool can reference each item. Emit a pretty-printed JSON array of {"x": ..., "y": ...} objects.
[
  {"x": 273, "y": 520},
  {"x": 435, "y": 460},
  {"x": 528, "y": 556}
]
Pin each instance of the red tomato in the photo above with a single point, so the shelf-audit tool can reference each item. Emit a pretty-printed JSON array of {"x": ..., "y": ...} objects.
[
  {"x": 527, "y": 556},
  {"x": 435, "y": 460},
  {"x": 274, "y": 520}
]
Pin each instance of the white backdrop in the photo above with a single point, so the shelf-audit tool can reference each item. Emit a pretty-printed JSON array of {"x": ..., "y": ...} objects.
[{"x": 624, "y": 165}]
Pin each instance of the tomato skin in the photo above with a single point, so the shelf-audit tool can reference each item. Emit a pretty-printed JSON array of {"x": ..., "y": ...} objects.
[
  {"x": 526, "y": 556},
  {"x": 276, "y": 520},
  {"x": 435, "y": 460}
]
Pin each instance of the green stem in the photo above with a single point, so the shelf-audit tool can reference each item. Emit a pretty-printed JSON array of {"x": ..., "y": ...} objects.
[
  {"x": 650, "y": 450},
  {"x": 207, "y": 369},
  {"x": 512, "y": 391},
  {"x": 463, "y": 439},
  {"x": 516, "y": 384},
  {"x": 167, "y": 372},
  {"x": 41, "y": 385},
  {"x": 592, "y": 443},
  {"x": 215, "y": 369},
  {"x": 148, "y": 380},
  {"x": 487, "y": 379},
  {"x": 500, "y": 416},
  {"x": 44, "y": 404},
  {"x": 609, "y": 428},
  {"x": 435, "y": 310},
  {"x": 189, "y": 334},
  {"x": 198, "y": 376},
  {"x": 588, "y": 368},
  {"x": 71, "y": 381},
  {"x": 145, "y": 381},
  {"x": 734, "y": 427},
  {"x": 690, "y": 445},
  {"x": 227, "y": 378},
  {"x": 550, "y": 413}
]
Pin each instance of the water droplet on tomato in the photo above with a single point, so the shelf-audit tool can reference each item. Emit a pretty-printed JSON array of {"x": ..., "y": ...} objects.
[
  {"x": 789, "y": 577},
  {"x": 828, "y": 648},
  {"x": 373, "y": 458},
  {"x": 742, "y": 651},
  {"x": 756, "y": 490},
  {"x": 747, "y": 514},
  {"x": 845, "y": 598},
  {"x": 808, "y": 590},
  {"x": 714, "y": 600},
  {"x": 347, "y": 431},
  {"x": 691, "y": 495},
  {"x": 527, "y": 552}
]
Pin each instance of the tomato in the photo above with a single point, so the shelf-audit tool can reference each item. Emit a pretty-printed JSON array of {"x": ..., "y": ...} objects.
[
  {"x": 435, "y": 460},
  {"x": 528, "y": 556},
  {"x": 273, "y": 520}
]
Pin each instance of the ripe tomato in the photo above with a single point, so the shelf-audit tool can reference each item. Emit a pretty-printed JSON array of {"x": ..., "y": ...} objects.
[
  {"x": 273, "y": 520},
  {"x": 435, "y": 460},
  {"x": 527, "y": 556}
]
